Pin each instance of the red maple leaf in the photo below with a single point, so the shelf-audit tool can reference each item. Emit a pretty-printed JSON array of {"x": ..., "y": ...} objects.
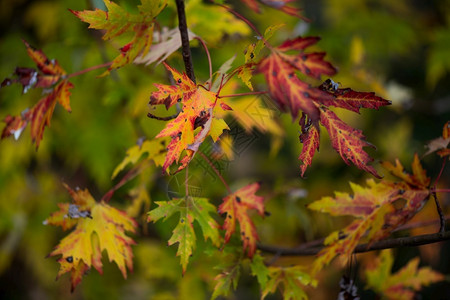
[{"x": 236, "y": 206}]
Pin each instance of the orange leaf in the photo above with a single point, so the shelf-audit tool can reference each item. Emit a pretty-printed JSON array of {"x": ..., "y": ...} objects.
[
  {"x": 42, "y": 112},
  {"x": 197, "y": 111},
  {"x": 98, "y": 227},
  {"x": 236, "y": 206},
  {"x": 44, "y": 65}
]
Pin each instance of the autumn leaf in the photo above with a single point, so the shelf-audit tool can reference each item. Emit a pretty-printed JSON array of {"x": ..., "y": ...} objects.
[
  {"x": 230, "y": 271},
  {"x": 39, "y": 115},
  {"x": 404, "y": 283},
  {"x": 116, "y": 22},
  {"x": 378, "y": 208},
  {"x": 190, "y": 209},
  {"x": 198, "y": 111},
  {"x": 290, "y": 281},
  {"x": 285, "y": 87},
  {"x": 48, "y": 73},
  {"x": 236, "y": 206},
  {"x": 294, "y": 95},
  {"x": 347, "y": 141},
  {"x": 98, "y": 227},
  {"x": 156, "y": 150},
  {"x": 440, "y": 144}
]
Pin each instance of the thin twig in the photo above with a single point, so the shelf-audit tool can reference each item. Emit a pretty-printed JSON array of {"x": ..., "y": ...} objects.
[
  {"x": 89, "y": 69},
  {"x": 186, "y": 180},
  {"x": 247, "y": 22},
  {"x": 127, "y": 177},
  {"x": 209, "y": 59},
  {"x": 411, "y": 241},
  {"x": 436, "y": 200},
  {"x": 215, "y": 170},
  {"x": 186, "y": 50}
]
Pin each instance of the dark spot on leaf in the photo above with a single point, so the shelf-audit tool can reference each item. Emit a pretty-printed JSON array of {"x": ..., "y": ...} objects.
[
  {"x": 306, "y": 94},
  {"x": 179, "y": 100},
  {"x": 179, "y": 81},
  {"x": 247, "y": 238},
  {"x": 267, "y": 214},
  {"x": 243, "y": 233},
  {"x": 238, "y": 199},
  {"x": 181, "y": 220},
  {"x": 274, "y": 73},
  {"x": 401, "y": 192},
  {"x": 69, "y": 259},
  {"x": 291, "y": 75},
  {"x": 230, "y": 217},
  {"x": 185, "y": 120},
  {"x": 307, "y": 71},
  {"x": 304, "y": 57},
  {"x": 252, "y": 55}
]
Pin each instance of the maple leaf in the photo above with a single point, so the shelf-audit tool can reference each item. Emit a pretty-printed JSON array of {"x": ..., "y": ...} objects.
[
  {"x": 236, "y": 207},
  {"x": 156, "y": 150},
  {"x": 404, "y": 283},
  {"x": 441, "y": 143},
  {"x": 117, "y": 21},
  {"x": 294, "y": 95},
  {"x": 285, "y": 87},
  {"x": 190, "y": 209},
  {"x": 378, "y": 208},
  {"x": 347, "y": 141},
  {"x": 198, "y": 106},
  {"x": 230, "y": 266},
  {"x": 290, "y": 280},
  {"x": 98, "y": 227},
  {"x": 39, "y": 115},
  {"x": 48, "y": 73}
]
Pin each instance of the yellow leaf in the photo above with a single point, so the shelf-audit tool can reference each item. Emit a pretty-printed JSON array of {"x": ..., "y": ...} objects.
[{"x": 103, "y": 228}]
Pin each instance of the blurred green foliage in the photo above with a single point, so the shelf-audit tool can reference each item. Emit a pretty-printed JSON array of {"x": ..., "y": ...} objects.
[{"x": 399, "y": 49}]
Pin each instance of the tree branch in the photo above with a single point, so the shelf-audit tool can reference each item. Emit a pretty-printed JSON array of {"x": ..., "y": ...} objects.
[
  {"x": 411, "y": 241},
  {"x": 186, "y": 50}
]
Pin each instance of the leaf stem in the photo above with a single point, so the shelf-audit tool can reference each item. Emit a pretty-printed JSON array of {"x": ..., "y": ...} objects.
[
  {"x": 209, "y": 60},
  {"x": 243, "y": 94},
  {"x": 89, "y": 69},
  {"x": 186, "y": 181},
  {"x": 186, "y": 50},
  {"x": 127, "y": 177},
  {"x": 436, "y": 200},
  {"x": 215, "y": 170},
  {"x": 248, "y": 23}
]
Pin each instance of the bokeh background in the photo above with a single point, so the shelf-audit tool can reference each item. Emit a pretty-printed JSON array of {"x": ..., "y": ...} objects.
[{"x": 398, "y": 49}]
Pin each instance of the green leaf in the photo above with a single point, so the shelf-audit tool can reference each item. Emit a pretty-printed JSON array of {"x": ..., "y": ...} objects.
[
  {"x": 289, "y": 280},
  {"x": 260, "y": 270},
  {"x": 190, "y": 209}
]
